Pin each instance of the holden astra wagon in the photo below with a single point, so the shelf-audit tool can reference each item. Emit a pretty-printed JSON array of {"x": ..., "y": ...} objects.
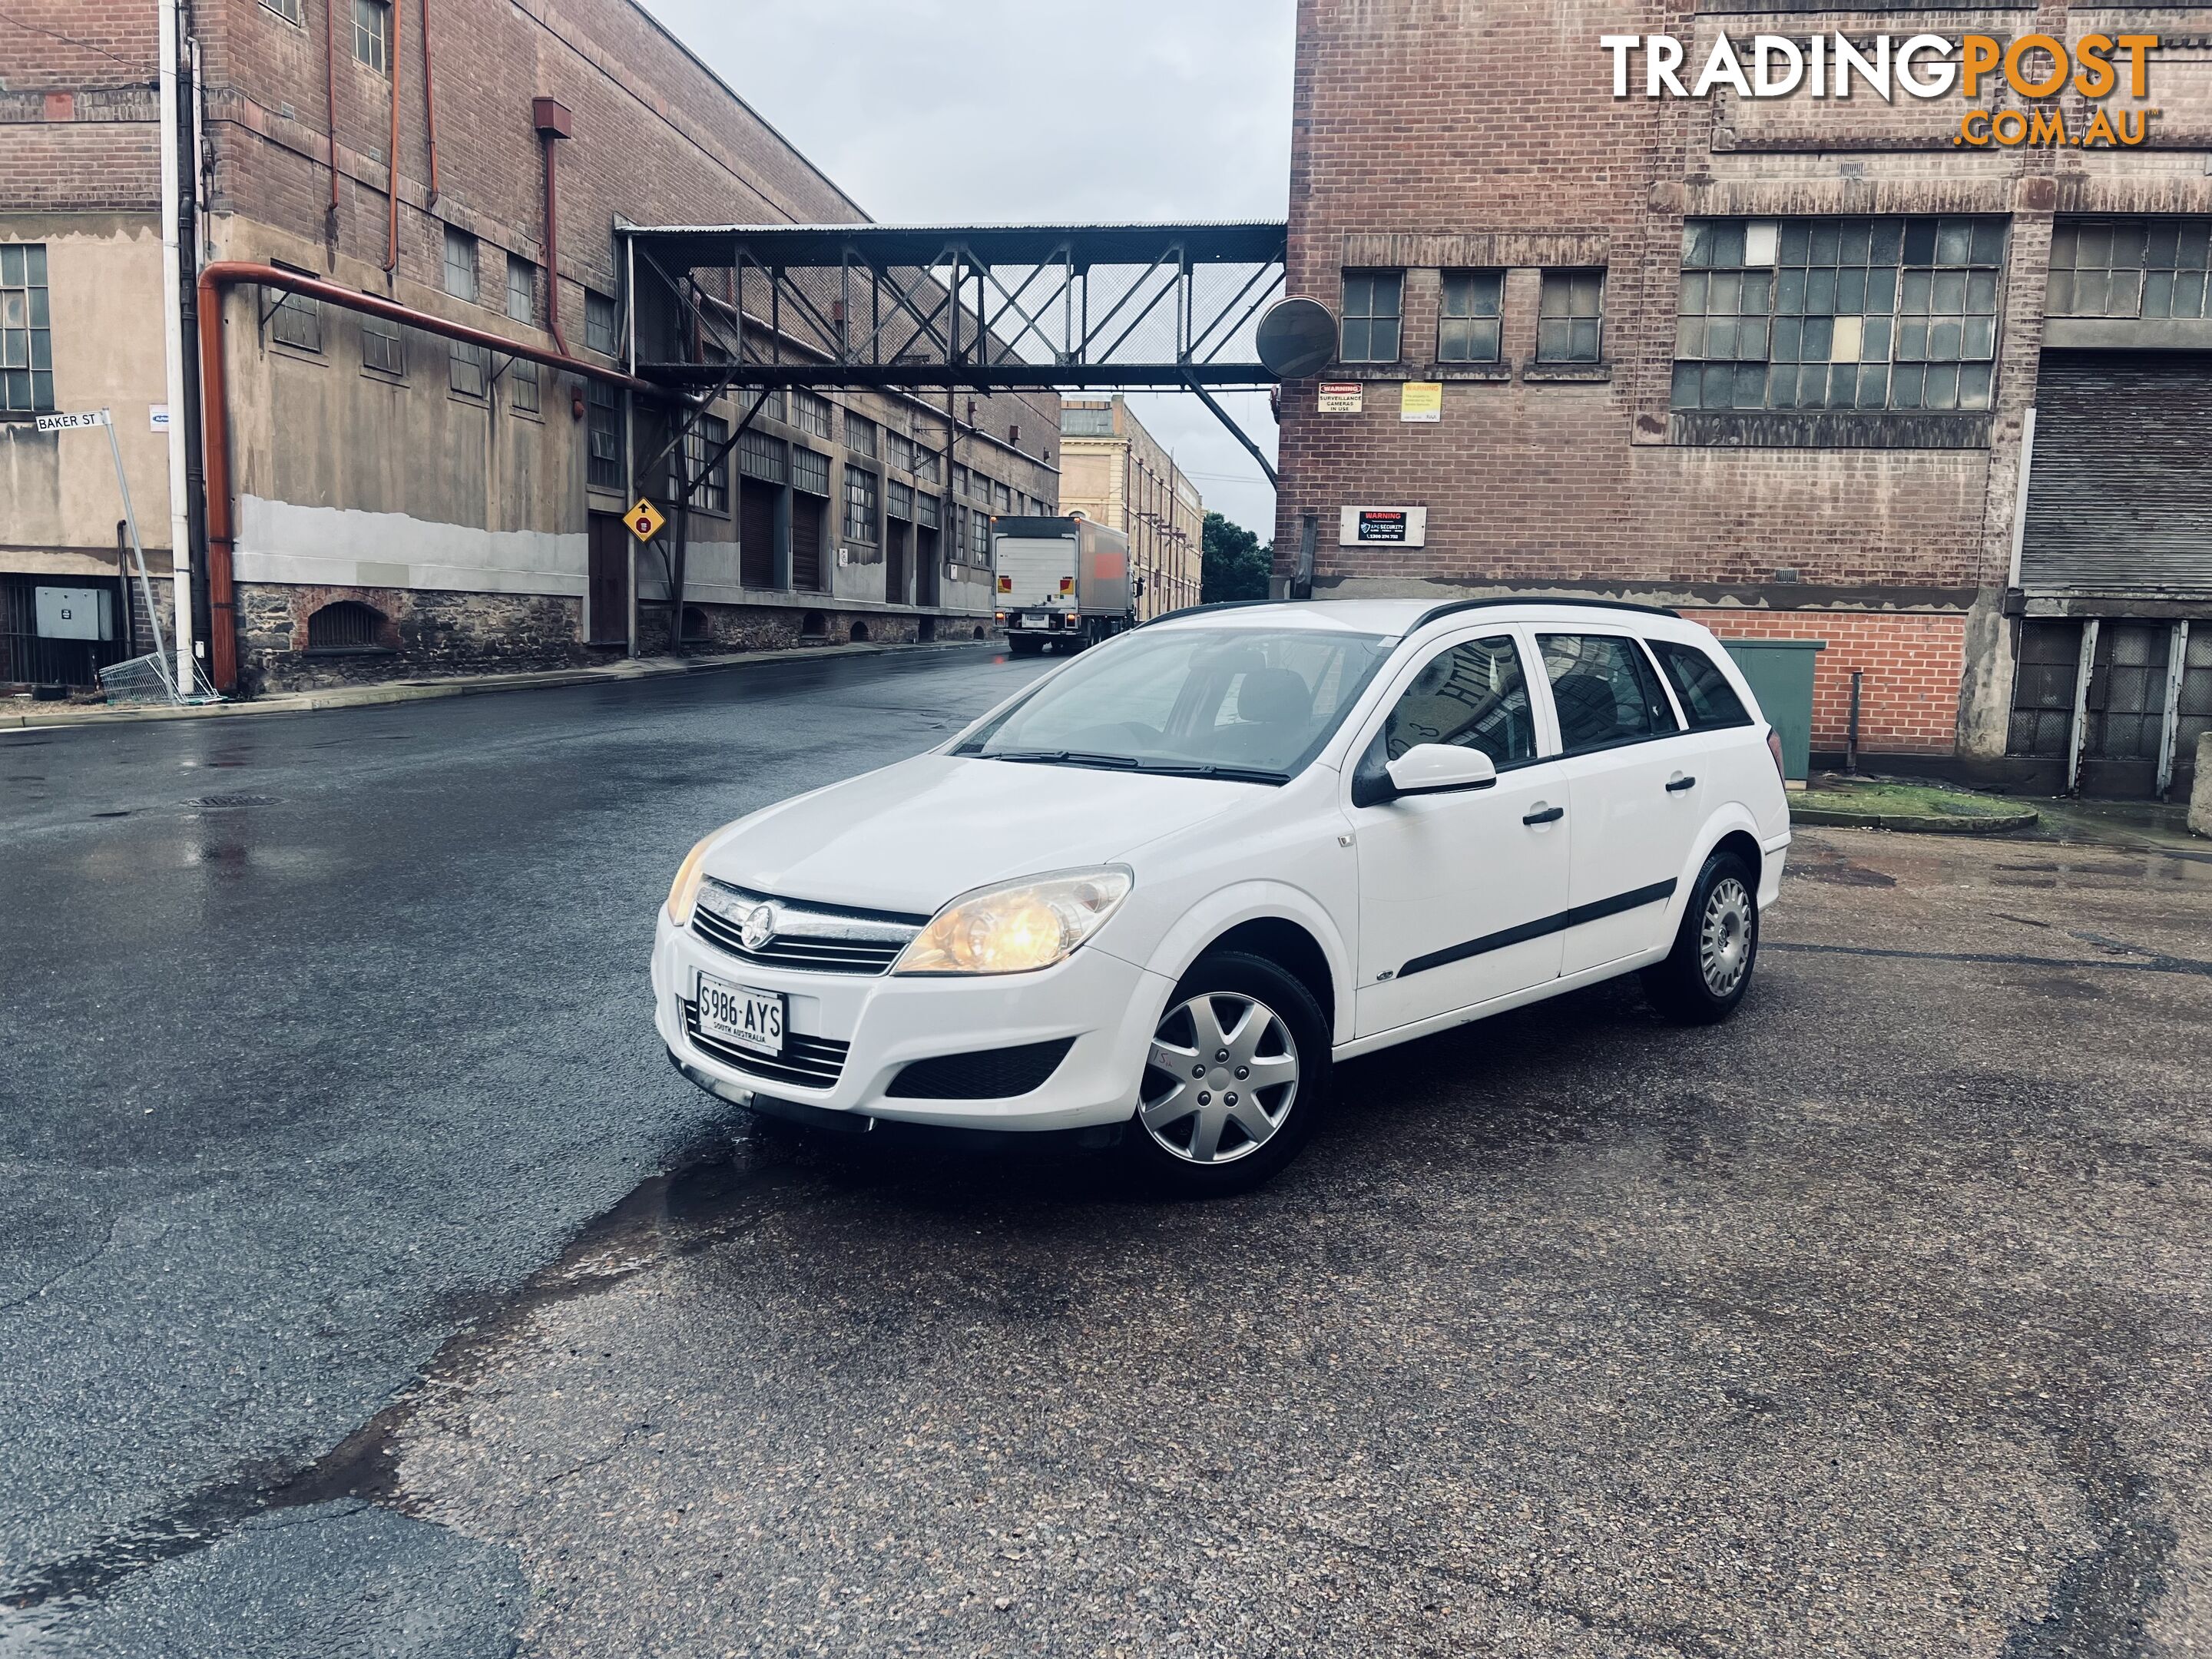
[{"x": 1155, "y": 895}]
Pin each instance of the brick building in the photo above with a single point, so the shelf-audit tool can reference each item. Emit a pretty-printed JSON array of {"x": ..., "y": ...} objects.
[
  {"x": 1114, "y": 472},
  {"x": 404, "y": 495},
  {"x": 1776, "y": 360}
]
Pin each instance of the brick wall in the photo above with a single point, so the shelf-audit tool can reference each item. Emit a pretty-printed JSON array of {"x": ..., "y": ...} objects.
[
  {"x": 1909, "y": 696},
  {"x": 1427, "y": 137}
]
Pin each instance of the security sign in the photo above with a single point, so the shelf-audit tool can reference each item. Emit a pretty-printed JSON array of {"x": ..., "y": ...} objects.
[{"x": 644, "y": 519}]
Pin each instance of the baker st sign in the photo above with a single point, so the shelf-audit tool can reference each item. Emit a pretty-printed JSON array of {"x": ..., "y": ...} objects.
[
  {"x": 1382, "y": 526},
  {"x": 2034, "y": 68}
]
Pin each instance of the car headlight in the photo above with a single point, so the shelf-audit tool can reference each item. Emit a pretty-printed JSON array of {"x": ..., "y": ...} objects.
[
  {"x": 1018, "y": 928},
  {"x": 683, "y": 891}
]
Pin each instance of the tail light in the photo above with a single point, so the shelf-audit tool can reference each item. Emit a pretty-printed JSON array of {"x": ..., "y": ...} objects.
[{"x": 1774, "y": 748}]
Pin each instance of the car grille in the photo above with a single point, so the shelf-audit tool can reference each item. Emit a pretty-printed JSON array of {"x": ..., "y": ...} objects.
[
  {"x": 812, "y": 1062},
  {"x": 987, "y": 1074},
  {"x": 818, "y": 939}
]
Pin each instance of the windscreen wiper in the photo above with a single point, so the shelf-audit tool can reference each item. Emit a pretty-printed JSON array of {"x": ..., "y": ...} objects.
[
  {"x": 1061, "y": 757},
  {"x": 1210, "y": 769}
]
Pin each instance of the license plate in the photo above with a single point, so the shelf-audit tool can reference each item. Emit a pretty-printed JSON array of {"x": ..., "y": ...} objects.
[
  {"x": 738, "y": 1014},
  {"x": 1037, "y": 619}
]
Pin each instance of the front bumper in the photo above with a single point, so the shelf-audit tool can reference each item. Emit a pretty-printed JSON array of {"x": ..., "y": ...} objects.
[{"x": 1109, "y": 1006}]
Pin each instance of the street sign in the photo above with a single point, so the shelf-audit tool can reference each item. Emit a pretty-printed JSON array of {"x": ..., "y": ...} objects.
[
  {"x": 644, "y": 519},
  {"x": 71, "y": 423}
]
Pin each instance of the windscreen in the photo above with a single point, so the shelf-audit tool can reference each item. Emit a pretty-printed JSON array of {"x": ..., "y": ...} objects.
[{"x": 1247, "y": 702}]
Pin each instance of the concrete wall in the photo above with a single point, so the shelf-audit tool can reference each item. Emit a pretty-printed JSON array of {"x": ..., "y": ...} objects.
[{"x": 463, "y": 520}]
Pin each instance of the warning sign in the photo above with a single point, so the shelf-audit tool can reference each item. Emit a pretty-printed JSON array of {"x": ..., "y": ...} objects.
[
  {"x": 1421, "y": 400},
  {"x": 644, "y": 519},
  {"x": 1406, "y": 526},
  {"x": 1339, "y": 397}
]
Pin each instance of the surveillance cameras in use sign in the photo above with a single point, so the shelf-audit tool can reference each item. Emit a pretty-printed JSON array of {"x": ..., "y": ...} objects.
[{"x": 1394, "y": 527}]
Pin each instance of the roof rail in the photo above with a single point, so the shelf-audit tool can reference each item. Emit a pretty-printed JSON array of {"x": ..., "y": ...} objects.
[
  {"x": 1217, "y": 605},
  {"x": 1435, "y": 611}
]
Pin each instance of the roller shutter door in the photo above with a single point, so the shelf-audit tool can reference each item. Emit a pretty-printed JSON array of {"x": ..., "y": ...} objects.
[
  {"x": 756, "y": 532},
  {"x": 806, "y": 542},
  {"x": 2119, "y": 496}
]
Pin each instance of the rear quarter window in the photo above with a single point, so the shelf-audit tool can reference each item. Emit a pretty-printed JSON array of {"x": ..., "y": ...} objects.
[{"x": 1708, "y": 700}]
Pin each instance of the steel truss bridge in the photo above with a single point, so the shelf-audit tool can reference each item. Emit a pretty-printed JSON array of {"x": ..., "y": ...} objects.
[{"x": 717, "y": 309}]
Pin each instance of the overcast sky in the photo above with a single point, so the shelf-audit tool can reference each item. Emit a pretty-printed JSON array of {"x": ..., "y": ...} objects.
[{"x": 984, "y": 112}]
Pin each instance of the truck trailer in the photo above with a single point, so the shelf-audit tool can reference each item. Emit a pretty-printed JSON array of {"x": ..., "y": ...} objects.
[{"x": 1060, "y": 583}]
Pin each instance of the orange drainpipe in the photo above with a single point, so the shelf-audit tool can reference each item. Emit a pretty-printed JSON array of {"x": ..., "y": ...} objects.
[
  {"x": 429, "y": 102},
  {"x": 215, "y": 429},
  {"x": 550, "y": 116},
  {"x": 331, "y": 104},
  {"x": 391, "y": 223}
]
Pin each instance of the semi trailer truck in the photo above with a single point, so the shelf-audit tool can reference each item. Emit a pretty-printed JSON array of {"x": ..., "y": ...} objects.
[{"x": 1062, "y": 583}]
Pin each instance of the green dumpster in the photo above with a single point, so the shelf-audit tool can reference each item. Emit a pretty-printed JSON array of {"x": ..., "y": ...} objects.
[{"x": 1781, "y": 675}]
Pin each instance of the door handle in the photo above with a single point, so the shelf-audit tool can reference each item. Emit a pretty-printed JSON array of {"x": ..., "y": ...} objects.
[
  {"x": 1677, "y": 785},
  {"x": 1546, "y": 815}
]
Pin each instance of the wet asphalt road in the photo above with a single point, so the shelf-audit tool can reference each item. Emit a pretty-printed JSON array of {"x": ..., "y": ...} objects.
[
  {"x": 319, "y": 1034},
  {"x": 428, "y": 1313}
]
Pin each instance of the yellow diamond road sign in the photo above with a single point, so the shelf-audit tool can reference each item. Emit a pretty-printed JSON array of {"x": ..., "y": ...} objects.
[{"x": 644, "y": 519}]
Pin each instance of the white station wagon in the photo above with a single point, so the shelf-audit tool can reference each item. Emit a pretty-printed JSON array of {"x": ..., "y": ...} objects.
[{"x": 1153, "y": 897}]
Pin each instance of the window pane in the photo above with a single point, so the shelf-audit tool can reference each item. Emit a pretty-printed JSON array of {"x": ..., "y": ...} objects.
[
  {"x": 1603, "y": 690},
  {"x": 1471, "y": 697},
  {"x": 1953, "y": 242},
  {"x": 521, "y": 289},
  {"x": 1703, "y": 689},
  {"x": 1686, "y": 378}
]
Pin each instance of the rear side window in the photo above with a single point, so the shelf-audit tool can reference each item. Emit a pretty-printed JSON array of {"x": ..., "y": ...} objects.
[
  {"x": 1472, "y": 696},
  {"x": 1605, "y": 691},
  {"x": 1700, "y": 687}
]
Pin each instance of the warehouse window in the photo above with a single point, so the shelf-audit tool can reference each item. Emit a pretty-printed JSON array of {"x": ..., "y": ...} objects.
[
  {"x": 859, "y": 505},
  {"x": 380, "y": 347},
  {"x": 2155, "y": 268},
  {"x": 522, "y": 384},
  {"x": 289, "y": 10},
  {"x": 298, "y": 320},
  {"x": 810, "y": 414},
  {"x": 1087, "y": 420},
  {"x": 860, "y": 435},
  {"x": 979, "y": 537},
  {"x": 521, "y": 289},
  {"x": 1002, "y": 497},
  {"x": 810, "y": 472},
  {"x": 1838, "y": 313},
  {"x": 925, "y": 465},
  {"x": 1569, "y": 317},
  {"x": 760, "y": 456},
  {"x": 1468, "y": 318},
  {"x": 26, "y": 341},
  {"x": 603, "y": 436},
  {"x": 599, "y": 323},
  {"x": 460, "y": 264},
  {"x": 1372, "y": 301},
  {"x": 372, "y": 34},
  {"x": 468, "y": 369},
  {"x": 702, "y": 444},
  {"x": 770, "y": 404}
]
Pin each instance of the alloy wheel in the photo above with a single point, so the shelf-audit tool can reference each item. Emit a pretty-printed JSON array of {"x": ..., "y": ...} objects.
[
  {"x": 1221, "y": 1079},
  {"x": 1725, "y": 935}
]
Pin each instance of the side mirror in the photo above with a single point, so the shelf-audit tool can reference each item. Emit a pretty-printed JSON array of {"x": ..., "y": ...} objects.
[{"x": 1432, "y": 768}]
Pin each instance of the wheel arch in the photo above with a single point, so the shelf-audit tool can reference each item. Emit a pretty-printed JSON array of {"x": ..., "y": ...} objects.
[
  {"x": 1280, "y": 922},
  {"x": 1734, "y": 829}
]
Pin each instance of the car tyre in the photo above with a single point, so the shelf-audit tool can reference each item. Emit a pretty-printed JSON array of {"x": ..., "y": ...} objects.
[
  {"x": 1226, "y": 1130},
  {"x": 1706, "y": 975}
]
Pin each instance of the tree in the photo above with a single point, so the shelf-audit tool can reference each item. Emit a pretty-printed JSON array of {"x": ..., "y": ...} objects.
[{"x": 1236, "y": 564}]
